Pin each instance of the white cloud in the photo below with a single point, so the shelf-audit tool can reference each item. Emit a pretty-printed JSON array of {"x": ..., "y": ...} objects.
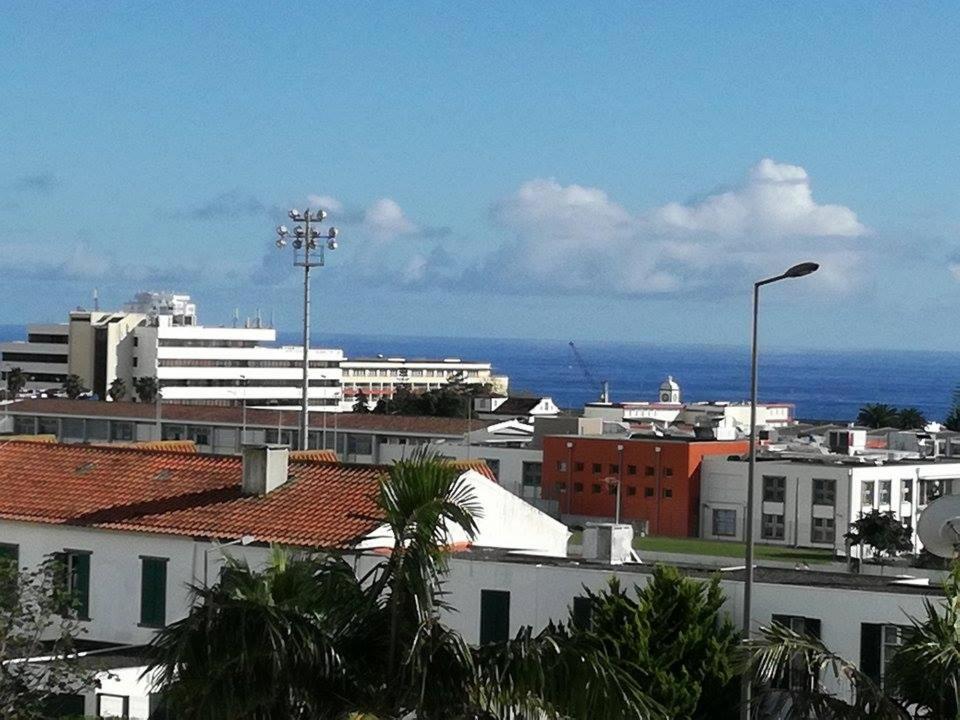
[
  {"x": 325, "y": 202},
  {"x": 954, "y": 269},
  {"x": 574, "y": 238},
  {"x": 385, "y": 219},
  {"x": 776, "y": 201}
]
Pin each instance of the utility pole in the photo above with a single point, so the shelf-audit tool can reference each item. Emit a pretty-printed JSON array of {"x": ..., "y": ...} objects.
[{"x": 305, "y": 239}]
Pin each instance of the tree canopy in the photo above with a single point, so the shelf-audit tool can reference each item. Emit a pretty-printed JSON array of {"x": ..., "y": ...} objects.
[
  {"x": 881, "y": 531},
  {"x": 451, "y": 400}
]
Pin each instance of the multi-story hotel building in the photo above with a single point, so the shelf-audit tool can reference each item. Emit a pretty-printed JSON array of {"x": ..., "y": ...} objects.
[
  {"x": 43, "y": 357},
  {"x": 157, "y": 335},
  {"x": 380, "y": 377}
]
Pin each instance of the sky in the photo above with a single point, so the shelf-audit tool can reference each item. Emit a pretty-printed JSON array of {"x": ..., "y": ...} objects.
[{"x": 594, "y": 171}]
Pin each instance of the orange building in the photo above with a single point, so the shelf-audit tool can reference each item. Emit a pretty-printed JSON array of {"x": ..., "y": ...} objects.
[{"x": 659, "y": 479}]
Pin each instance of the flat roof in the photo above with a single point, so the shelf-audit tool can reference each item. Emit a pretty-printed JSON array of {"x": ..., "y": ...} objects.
[{"x": 220, "y": 415}]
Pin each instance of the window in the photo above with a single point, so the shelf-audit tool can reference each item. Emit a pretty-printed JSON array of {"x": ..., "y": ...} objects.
[
  {"x": 631, "y": 469},
  {"x": 121, "y": 430},
  {"x": 199, "y": 434},
  {"x": 178, "y": 432},
  {"x": 612, "y": 488},
  {"x": 75, "y": 566},
  {"x": 648, "y": 492},
  {"x": 113, "y": 706},
  {"x": 824, "y": 492},
  {"x": 494, "y": 616},
  {"x": 597, "y": 468},
  {"x": 578, "y": 466},
  {"x": 668, "y": 493},
  {"x": 878, "y": 645},
  {"x": 135, "y": 361},
  {"x": 561, "y": 487},
  {"x": 596, "y": 488},
  {"x": 531, "y": 473},
  {"x": 494, "y": 466},
  {"x": 933, "y": 489},
  {"x": 136, "y": 341},
  {"x": 614, "y": 468},
  {"x": 48, "y": 426},
  {"x": 866, "y": 494},
  {"x": 582, "y": 610},
  {"x": 359, "y": 444},
  {"x": 885, "y": 492},
  {"x": 631, "y": 490},
  {"x": 668, "y": 472},
  {"x": 153, "y": 591},
  {"x": 561, "y": 465},
  {"x": 796, "y": 677},
  {"x": 578, "y": 487},
  {"x": 725, "y": 522},
  {"x": 24, "y": 426},
  {"x": 893, "y": 636},
  {"x": 649, "y": 470},
  {"x": 774, "y": 488},
  {"x": 771, "y": 527},
  {"x": 906, "y": 490},
  {"x": 822, "y": 530}
]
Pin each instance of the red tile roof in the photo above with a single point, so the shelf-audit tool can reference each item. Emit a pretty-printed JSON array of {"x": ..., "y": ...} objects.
[
  {"x": 215, "y": 414},
  {"x": 321, "y": 505}
]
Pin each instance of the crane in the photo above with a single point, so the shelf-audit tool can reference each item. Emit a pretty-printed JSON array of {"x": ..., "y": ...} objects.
[{"x": 604, "y": 385}]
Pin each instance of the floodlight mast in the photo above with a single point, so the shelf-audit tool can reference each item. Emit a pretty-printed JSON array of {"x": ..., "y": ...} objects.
[{"x": 305, "y": 238}]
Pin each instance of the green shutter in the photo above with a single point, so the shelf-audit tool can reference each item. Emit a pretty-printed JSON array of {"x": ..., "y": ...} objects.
[
  {"x": 80, "y": 583},
  {"x": 494, "y": 616},
  {"x": 153, "y": 592}
]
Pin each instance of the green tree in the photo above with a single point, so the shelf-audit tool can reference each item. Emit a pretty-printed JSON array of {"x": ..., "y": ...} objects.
[
  {"x": 952, "y": 421},
  {"x": 877, "y": 415},
  {"x": 147, "y": 388},
  {"x": 73, "y": 387},
  {"x": 31, "y": 625},
  {"x": 362, "y": 403},
  {"x": 881, "y": 531},
  {"x": 911, "y": 419},
  {"x": 117, "y": 390},
  {"x": 306, "y": 638},
  {"x": 16, "y": 380},
  {"x": 677, "y": 640}
]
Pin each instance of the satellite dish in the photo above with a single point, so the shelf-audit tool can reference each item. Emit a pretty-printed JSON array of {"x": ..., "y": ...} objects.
[{"x": 939, "y": 526}]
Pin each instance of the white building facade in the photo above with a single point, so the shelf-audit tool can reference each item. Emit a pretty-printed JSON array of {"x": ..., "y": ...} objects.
[
  {"x": 812, "y": 502},
  {"x": 43, "y": 357},
  {"x": 380, "y": 377}
]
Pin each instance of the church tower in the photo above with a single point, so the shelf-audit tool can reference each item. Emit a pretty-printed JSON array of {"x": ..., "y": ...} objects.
[{"x": 670, "y": 391}]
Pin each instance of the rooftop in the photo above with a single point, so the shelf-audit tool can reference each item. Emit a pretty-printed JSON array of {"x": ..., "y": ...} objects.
[
  {"x": 218, "y": 415},
  {"x": 322, "y": 504}
]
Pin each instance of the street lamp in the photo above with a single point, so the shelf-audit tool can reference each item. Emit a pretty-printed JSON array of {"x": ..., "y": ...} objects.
[
  {"x": 304, "y": 237},
  {"x": 794, "y": 272}
]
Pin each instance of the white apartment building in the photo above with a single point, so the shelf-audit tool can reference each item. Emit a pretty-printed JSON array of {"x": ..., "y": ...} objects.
[
  {"x": 379, "y": 377},
  {"x": 157, "y": 335},
  {"x": 811, "y": 501},
  {"x": 43, "y": 357}
]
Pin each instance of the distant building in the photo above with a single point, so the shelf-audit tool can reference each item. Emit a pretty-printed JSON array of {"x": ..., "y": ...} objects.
[
  {"x": 659, "y": 479},
  {"x": 380, "y": 377},
  {"x": 499, "y": 407},
  {"x": 43, "y": 358},
  {"x": 810, "y": 501}
]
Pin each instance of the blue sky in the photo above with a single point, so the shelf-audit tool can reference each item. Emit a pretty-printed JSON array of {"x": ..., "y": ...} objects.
[{"x": 607, "y": 170}]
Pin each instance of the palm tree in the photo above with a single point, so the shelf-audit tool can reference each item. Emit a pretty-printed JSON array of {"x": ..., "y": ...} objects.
[
  {"x": 911, "y": 419},
  {"x": 305, "y": 638},
  {"x": 16, "y": 381},
  {"x": 147, "y": 389},
  {"x": 878, "y": 415},
  {"x": 922, "y": 678},
  {"x": 117, "y": 390},
  {"x": 73, "y": 387}
]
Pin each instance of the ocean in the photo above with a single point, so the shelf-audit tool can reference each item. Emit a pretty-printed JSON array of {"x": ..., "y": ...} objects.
[{"x": 824, "y": 385}]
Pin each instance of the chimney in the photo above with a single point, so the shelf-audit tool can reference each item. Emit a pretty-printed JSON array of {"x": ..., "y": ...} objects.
[{"x": 264, "y": 468}]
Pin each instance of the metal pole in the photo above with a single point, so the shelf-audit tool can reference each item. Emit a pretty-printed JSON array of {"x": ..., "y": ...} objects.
[
  {"x": 619, "y": 481},
  {"x": 745, "y": 687},
  {"x": 305, "y": 407},
  {"x": 243, "y": 399}
]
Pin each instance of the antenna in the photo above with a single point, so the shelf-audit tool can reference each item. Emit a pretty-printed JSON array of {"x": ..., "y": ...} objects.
[
  {"x": 939, "y": 526},
  {"x": 236, "y": 316},
  {"x": 96, "y": 299}
]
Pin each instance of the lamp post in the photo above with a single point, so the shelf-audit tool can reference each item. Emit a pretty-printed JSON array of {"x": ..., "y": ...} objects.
[
  {"x": 794, "y": 272},
  {"x": 619, "y": 480},
  {"x": 305, "y": 238}
]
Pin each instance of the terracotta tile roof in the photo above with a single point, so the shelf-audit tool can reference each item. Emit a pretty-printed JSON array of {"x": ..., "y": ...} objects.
[
  {"x": 215, "y": 414},
  {"x": 182, "y": 446},
  {"x": 321, "y": 505},
  {"x": 479, "y": 465},
  {"x": 30, "y": 438},
  {"x": 314, "y": 455}
]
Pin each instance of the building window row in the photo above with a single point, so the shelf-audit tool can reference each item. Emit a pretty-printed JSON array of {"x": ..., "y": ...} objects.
[
  {"x": 177, "y": 342},
  {"x": 614, "y": 469},
  {"x": 35, "y": 357},
  {"x": 203, "y": 362},
  {"x": 48, "y": 338},
  {"x": 209, "y": 382}
]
